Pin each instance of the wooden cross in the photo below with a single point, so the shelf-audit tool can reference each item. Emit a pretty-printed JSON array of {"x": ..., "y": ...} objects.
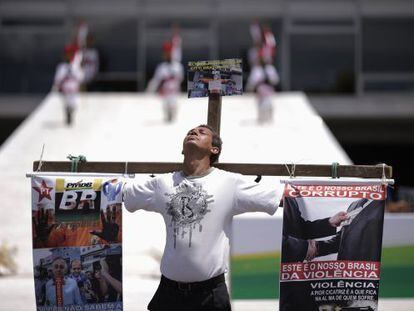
[{"x": 213, "y": 119}]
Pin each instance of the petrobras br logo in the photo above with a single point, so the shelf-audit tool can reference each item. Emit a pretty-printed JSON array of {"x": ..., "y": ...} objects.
[
  {"x": 77, "y": 200},
  {"x": 111, "y": 189},
  {"x": 70, "y": 199}
]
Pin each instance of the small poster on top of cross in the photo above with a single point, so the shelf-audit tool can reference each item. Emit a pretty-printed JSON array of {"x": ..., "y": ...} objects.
[{"x": 224, "y": 77}]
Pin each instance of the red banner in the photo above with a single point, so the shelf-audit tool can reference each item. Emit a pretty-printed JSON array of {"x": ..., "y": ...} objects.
[{"x": 373, "y": 192}]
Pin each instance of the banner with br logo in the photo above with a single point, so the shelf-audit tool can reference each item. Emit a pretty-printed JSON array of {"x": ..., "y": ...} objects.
[
  {"x": 77, "y": 242},
  {"x": 331, "y": 245}
]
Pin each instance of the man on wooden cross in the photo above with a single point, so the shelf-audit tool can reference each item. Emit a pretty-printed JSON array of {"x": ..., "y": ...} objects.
[{"x": 198, "y": 204}]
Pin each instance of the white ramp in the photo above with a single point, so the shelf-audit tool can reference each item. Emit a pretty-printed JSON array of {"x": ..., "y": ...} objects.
[{"x": 129, "y": 127}]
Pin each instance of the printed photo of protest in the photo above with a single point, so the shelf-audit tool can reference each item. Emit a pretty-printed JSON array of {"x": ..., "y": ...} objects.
[{"x": 85, "y": 276}]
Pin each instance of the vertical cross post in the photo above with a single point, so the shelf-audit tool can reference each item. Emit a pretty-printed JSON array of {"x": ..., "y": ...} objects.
[{"x": 214, "y": 111}]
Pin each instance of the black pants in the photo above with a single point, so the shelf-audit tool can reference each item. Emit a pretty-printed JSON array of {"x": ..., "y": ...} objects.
[{"x": 210, "y": 295}]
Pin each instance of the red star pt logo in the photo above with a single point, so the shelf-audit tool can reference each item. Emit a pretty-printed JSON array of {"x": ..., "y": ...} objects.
[{"x": 44, "y": 191}]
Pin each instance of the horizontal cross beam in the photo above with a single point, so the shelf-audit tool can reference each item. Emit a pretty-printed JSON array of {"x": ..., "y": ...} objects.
[{"x": 316, "y": 170}]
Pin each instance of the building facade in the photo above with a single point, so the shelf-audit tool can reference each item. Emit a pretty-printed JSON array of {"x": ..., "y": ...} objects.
[{"x": 324, "y": 46}]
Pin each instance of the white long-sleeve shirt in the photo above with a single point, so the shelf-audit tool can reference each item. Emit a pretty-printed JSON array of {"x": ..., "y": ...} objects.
[{"x": 198, "y": 213}]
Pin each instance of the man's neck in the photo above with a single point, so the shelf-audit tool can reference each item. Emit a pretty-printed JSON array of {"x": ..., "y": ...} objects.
[{"x": 196, "y": 167}]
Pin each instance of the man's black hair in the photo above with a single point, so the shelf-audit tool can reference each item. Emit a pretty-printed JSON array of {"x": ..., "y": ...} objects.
[{"x": 216, "y": 142}]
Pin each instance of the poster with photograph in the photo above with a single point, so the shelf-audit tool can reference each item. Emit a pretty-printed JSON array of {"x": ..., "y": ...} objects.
[
  {"x": 224, "y": 77},
  {"x": 77, "y": 242},
  {"x": 331, "y": 245}
]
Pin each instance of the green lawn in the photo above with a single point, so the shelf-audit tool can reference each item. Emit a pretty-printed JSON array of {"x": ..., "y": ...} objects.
[
  {"x": 397, "y": 272},
  {"x": 256, "y": 276}
]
